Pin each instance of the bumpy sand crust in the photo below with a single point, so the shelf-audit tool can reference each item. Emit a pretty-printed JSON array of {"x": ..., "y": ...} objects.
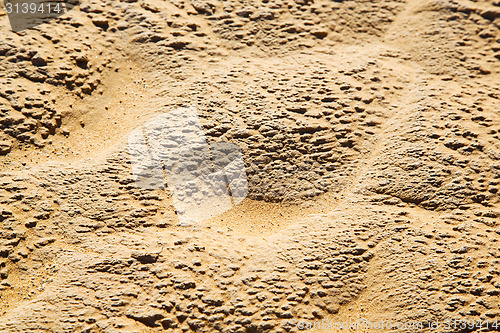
[{"x": 371, "y": 138}]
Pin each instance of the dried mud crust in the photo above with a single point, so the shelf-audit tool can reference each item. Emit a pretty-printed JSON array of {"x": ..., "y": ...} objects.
[{"x": 404, "y": 135}]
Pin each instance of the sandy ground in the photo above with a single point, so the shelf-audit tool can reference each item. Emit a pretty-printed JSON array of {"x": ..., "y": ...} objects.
[{"x": 370, "y": 136}]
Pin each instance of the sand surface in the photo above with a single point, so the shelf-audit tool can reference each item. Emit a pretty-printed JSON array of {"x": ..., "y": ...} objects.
[{"x": 370, "y": 133}]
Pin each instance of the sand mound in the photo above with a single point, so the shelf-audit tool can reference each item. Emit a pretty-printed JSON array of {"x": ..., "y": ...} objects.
[{"x": 371, "y": 141}]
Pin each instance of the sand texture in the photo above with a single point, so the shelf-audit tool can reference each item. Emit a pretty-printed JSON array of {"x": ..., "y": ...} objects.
[{"x": 370, "y": 133}]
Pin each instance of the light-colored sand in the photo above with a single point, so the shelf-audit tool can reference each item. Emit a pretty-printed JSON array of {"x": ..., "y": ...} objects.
[{"x": 371, "y": 139}]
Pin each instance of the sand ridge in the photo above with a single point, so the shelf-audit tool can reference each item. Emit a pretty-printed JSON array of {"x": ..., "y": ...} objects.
[{"x": 370, "y": 135}]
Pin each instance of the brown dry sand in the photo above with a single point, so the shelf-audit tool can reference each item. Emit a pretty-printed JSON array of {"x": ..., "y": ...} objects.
[{"x": 370, "y": 133}]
